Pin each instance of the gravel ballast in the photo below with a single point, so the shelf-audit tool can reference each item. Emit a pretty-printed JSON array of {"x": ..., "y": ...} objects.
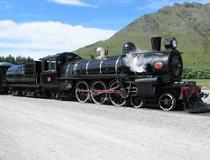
[{"x": 41, "y": 129}]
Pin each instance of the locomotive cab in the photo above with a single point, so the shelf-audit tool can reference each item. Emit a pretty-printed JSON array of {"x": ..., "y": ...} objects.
[{"x": 52, "y": 67}]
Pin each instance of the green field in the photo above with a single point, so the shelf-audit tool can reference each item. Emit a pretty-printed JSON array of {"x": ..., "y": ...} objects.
[{"x": 204, "y": 83}]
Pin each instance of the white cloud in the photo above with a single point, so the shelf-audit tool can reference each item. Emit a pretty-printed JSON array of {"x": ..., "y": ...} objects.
[
  {"x": 37, "y": 39},
  {"x": 73, "y": 3}
]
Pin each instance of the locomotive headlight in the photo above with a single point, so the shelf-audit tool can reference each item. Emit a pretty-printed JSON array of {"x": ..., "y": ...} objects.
[
  {"x": 170, "y": 43},
  {"x": 158, "y": 65}
]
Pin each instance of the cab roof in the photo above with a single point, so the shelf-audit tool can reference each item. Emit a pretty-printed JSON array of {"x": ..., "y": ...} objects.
[{"x": 68, "y": 55}]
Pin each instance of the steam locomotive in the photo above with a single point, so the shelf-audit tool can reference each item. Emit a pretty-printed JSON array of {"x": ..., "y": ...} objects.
[{"x": 135, "y": 77}]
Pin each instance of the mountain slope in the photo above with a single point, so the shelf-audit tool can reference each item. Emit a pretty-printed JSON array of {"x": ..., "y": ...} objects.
[{"x": 188, "y": 22}]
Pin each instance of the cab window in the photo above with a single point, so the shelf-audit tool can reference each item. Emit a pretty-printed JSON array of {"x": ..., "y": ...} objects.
[
  {"x": 63, "y": 70},
  {"x": 52, "y": 65}
]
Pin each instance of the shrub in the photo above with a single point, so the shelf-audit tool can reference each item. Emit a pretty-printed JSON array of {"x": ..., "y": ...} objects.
[{"x": 188, "y": 73}]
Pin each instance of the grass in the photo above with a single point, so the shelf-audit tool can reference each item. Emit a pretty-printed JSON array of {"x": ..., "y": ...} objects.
[{"x": 204, "y": 83}]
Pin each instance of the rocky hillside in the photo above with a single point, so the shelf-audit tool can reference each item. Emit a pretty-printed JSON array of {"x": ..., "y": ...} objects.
[{"x": 188, "y": 22}]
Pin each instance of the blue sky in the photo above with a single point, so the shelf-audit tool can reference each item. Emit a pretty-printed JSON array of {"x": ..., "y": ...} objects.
[
  {"x": 105, "y": 14},
  {"x": 38, "y": 27}
]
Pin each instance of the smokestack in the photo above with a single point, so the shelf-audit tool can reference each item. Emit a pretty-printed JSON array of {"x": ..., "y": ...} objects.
[{"x": 156, "y": 43}]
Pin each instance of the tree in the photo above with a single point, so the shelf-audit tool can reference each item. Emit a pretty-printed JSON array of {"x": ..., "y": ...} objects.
[{"x": 15, "y": 60}]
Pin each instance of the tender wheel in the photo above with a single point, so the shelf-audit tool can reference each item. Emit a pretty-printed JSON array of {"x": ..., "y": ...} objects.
[
  {"x": 18, "y": 93},
  {"x": 167, "y": 102},
  {"x": 137, "y": 102},
  {"x": 97, "y": 94},
  {"x": 82, "y": 92},
  {"x": 116, "y": 98}
]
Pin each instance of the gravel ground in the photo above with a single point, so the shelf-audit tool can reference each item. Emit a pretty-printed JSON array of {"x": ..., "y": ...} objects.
[{"x": 39, "y": 129}]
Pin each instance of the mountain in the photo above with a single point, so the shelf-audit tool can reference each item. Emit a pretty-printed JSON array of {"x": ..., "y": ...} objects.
[{"x": 188, "y": 22}]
